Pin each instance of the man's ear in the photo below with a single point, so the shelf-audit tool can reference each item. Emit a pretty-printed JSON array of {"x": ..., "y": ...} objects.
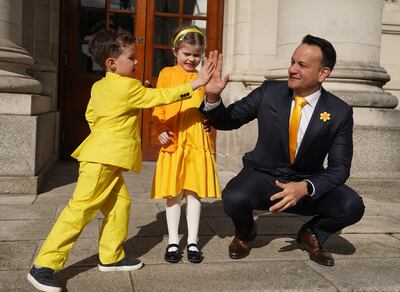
[
  {"x": 110, "y": 64},
  {"x": 324, "y": 73}
]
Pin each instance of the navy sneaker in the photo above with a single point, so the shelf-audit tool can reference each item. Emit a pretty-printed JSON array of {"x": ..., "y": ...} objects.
[
  {"x": 43, "y": 279},
  {"x": 125, "y": 264}
]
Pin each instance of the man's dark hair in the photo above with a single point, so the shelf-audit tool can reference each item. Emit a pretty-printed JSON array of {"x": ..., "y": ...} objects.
[
  {"x": 328, "y": 51},
  {"x": 108, "y": 44}
]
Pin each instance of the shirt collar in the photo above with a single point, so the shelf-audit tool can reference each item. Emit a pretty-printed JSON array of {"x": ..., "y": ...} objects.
[
  {"x": 112, "y": 75},
  {"x": 312, "y": 99}
]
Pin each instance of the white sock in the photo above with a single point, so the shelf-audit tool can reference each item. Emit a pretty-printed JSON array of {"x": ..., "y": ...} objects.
[
  {"x": 193, "y": 208},
  {"x": 173, "y": 213}
]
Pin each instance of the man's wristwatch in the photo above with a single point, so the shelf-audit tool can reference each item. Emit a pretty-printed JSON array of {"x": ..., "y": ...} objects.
[{"x": 310, "y": 188}]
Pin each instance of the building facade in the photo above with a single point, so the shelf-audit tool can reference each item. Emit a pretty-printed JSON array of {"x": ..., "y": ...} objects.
[
  {"x": 259, "y": 38},
  {"x": 46, "y": 71}
]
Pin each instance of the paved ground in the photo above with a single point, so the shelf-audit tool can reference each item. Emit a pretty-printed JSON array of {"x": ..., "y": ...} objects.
[{"x": 367, "y": 254}]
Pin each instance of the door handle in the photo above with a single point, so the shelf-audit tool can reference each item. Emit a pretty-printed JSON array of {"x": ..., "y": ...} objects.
[{"x": 147, "y": 83}]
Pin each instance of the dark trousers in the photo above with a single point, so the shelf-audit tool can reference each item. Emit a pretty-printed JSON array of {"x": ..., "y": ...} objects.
[{"x": 251, "y": 190}]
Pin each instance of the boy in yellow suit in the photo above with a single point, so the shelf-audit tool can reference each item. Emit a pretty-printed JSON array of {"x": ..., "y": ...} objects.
[{"x": 113, "y": 114}]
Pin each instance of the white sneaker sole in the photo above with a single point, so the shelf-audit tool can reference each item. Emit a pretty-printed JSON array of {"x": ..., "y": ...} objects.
[
  {"x": 118, "y": 269},
  {"x": 42, "y": 287}
]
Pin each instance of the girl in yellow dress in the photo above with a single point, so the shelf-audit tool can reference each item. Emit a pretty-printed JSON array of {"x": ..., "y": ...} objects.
[{"x": 186, "y": 163}]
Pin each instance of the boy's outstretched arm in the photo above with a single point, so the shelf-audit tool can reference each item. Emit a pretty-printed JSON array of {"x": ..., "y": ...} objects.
[{"x": 142, "y": 97}]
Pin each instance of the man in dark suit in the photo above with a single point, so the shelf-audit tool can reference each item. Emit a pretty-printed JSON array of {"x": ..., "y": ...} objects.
[{"x": 299, "y": 124}]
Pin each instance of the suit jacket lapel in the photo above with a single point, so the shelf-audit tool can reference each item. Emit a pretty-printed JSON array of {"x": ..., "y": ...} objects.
[
  {"x": 314, "y": 126},
  {"x": 284, "y": 112}
]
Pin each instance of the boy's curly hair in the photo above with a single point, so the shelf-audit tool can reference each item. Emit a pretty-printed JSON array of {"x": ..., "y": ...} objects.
[{"x": 108, "y": 44}]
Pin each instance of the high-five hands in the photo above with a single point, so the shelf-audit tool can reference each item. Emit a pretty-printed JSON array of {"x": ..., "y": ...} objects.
[
  {"x": 291, "y": 193},
  {"x": 207, "y": 70},
  {"x": 205, "y": 74},
  {"x": 217, "y": 83}
]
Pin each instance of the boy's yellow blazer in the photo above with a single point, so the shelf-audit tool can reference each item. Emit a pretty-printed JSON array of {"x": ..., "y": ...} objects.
[{"x": 114, "y": 117}]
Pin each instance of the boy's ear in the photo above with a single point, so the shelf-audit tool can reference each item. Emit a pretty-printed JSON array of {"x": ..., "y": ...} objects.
[
  {"x": 174, "y": 51},
  {"x": 110, "y": 64}
]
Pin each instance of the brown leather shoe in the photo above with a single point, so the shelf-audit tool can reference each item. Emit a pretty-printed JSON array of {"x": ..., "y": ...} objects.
[
  {"x": 238, "y": 248},
  {"x": 308, "y": 241}
]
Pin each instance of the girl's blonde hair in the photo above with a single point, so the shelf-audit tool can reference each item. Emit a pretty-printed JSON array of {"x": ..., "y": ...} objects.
[{"x": 188, "y": 34}]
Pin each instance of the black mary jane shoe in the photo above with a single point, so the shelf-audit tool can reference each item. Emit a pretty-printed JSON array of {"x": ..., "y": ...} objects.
[
  {"x": 172, "y": 256},
  {"x": 194, "y": 256}
]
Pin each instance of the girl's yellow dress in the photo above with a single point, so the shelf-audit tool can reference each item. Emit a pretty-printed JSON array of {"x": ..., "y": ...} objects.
[{"x": 188, "y": 162}]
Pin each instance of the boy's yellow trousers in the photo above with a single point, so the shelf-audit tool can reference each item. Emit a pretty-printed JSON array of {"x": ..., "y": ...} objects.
[{"x": 99, "y": 187}]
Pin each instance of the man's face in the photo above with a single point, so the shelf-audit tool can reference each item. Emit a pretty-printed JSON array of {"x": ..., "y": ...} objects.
[{"x": 305, "y": 73}]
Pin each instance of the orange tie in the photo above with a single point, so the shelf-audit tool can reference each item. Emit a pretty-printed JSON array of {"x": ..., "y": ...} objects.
[{"x": 294, "y": 122}]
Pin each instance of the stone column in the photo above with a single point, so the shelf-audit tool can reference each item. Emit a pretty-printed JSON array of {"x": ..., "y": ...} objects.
[
  {"x": 43, "y": 69},
  {"x": 354, "y": 28},
  {"x": 40, "y": 28},
  {"x": 249, "y": 50},
  {"x": 14, "y": 60},
  {"x": 390, "y": 46},
  {"x": 25, "y": 119}
]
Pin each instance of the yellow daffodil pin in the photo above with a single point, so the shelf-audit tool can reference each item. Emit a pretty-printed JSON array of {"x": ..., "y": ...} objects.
[{"x": 325, "y": 116}]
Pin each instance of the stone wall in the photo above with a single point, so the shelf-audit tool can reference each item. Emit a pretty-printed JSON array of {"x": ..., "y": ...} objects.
[
  {"x": 355, "y": 28},
  {"x": 29, "y": 120},
  {"x": 390, "y": 45}
]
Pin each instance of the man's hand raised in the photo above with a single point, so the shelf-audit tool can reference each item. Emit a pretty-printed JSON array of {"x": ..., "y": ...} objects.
[
  {"x": 217, "y": 83},
  {"x": 205, "y": 74}
]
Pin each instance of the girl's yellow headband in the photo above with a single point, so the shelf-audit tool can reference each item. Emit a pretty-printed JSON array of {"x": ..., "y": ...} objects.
[{"x": 185, "y": 31}]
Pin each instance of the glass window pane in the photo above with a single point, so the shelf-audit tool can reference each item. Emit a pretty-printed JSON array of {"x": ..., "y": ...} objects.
[
  {"x": 86, "y": 64},
  {"x": 195, "y": 7},
  {"x": 161, "y": 59},
  {"x": 202, "y": 24},
  {"x": 94, "y": 3},
  {"x": 123, "y": 4},
  {"x": 124, "y": 21},
  {"x": 90, "y": 22},
  {"x": 166, "y": 6},
  {"x": 163, "y": 30}
]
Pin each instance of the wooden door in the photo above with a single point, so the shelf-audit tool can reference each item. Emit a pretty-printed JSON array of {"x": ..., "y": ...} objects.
[
  {"x": 151, "y": 22},
  {"x": 80, "y": 20},
  {"x": 163, "y": 16}
]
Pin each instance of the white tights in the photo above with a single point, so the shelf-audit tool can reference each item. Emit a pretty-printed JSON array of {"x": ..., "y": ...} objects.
[{"x": 173, "y": 213}]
